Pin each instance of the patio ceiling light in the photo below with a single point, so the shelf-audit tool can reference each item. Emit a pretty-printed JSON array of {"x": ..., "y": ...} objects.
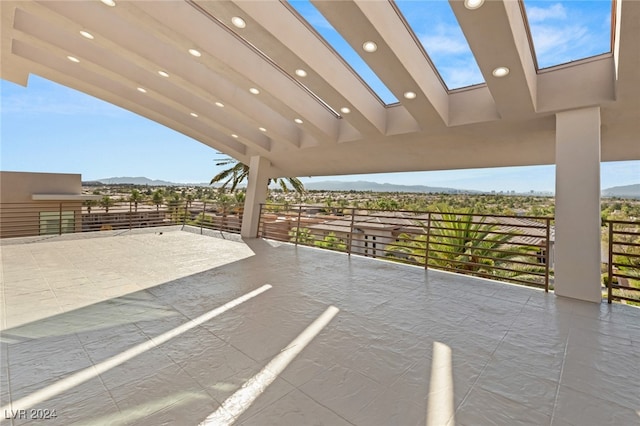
[
  {"x": 410, "y": 95},
  {"x": 301, "y": 73},
  {"x": 500, "y": 72},
  {"x": 473, "y": 4},
  {"x": 219, "y": 104},
  {"x": 299, "y": 121},
  {"x": 73, "y": 59},
  {"x": 195, "y": 53},
  {"x": 369, "y": 46},
  {"x": 86, "y": 34},
  {"x": 254, "y": 91},
  {"x": 193, "y": 114},
  {"x": 110, "y": 3},
  {"x": 163, "y": 73},
  {"x": 262, "y": 129},
  {"x": 238, "y": 22},
  {"x": 142, "y": 90},
  {"x": 345, "y": 110}
]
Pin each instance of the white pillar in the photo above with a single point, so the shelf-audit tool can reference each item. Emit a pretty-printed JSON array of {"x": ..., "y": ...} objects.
[
  {"x": 577, "y": 237},
  {"x": 256, "y": 195}
]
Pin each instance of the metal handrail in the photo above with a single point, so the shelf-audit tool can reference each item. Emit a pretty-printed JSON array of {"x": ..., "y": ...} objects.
[
  {"x": 401, "y": 235},
  {"x": 56, "y": 218},
  {"x": 623, "y": 268}
]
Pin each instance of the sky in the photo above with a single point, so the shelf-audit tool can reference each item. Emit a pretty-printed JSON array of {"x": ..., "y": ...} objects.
[{"x": 47, "y": 127}]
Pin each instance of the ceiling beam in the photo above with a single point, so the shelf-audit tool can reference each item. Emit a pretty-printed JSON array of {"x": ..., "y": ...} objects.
[
  {"x": 328, "y": 76},
  {"x": 498, "y": 37}
]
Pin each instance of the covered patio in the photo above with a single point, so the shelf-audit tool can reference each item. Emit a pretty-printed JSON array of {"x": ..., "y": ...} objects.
[{"x": 166, "y": 326}]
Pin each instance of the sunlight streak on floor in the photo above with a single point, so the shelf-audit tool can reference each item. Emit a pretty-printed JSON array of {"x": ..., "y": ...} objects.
[
  {"x": 90, "y": 372},
  {"x": 242, "y": 399},
  {"x": 440, "y": 410}
]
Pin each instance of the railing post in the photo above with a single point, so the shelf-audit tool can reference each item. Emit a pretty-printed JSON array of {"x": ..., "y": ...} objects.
[
  {"x": 353, "y": 215},
  {"x": 204, "y": 209},
  {"x": 610, "y": 265},
  {"x": 298, "y": 224},
  {"x": 547, "y": 254},
  {"x": 60, "y": 219},
  {"x": 130, "y": 214},
  {"x": 186, "y": 211},
  {"x": 426, "y": 250},
  {"x": 259, "y": 220}
]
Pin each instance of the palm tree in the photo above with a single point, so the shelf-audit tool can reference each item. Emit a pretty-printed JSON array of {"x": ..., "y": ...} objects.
[
  {"x": 106, "y": 202},
  {"x": 461, "y": 242},
  {"x": 135, "y": 198},
  {"x": 88, "y": 204},
  {"x": 238, "y": 172},
  {"x": 157, "y": 199}
]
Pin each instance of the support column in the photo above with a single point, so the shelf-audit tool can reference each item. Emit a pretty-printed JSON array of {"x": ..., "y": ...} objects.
[
  {"x": 256, "y": 195},
  {"x": 577, "y": 236}
]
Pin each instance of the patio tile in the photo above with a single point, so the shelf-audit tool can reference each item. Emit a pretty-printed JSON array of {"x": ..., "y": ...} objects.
[{"x": 518, "y": 355}]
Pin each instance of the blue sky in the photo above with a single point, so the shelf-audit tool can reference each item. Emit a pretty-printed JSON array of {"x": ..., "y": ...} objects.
[{"x": 50, "y": 128}]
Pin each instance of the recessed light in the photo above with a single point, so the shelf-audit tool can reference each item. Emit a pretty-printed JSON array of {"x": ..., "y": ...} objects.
[
  {"x": 262, "y": 129},
  {"x": 500, "y": 72},
  {"x": 297, "y": 120},
  {"x": 193, "y": 114},
  {"x": 142, "y": 90},
  {"x": 410, "y": 95},
  {"x": 301, "y": 73},
  {"x": 195, "y": 53},
  {"x": 109, "y": 2},
  {"x": 233, "y": 135},
  {"x": 473, "y": 4},
  {"x": 219, "y": 104},
  {"x": 86, "y": 34},
  {"x": 163, "y": 73},
  {"x": 254, "y": 90},
  {"x": 369, "y": 46},
  {"x": 345, "y": 110},
  {"x": 73, "y": 59},
  {"x": 238, "y": 22}
]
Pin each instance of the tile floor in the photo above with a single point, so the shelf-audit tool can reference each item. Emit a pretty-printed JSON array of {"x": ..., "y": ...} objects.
[{"x": 407, "y": 346}]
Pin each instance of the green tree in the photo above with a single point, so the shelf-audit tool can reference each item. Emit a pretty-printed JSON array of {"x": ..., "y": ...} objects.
[
  {"x": 174, "y": 204},
  {"x": 463, "y": 242},
  {"x": 89, "y": 204},
  {"x": 157, "y": 198},
  {"x": 238, "y": 172},
  {"x": 302, "y": 236},
  {"x": 135, "y": 198},
  {"x": 331, "y": 242},
  {"x": 107, "y": 202}
]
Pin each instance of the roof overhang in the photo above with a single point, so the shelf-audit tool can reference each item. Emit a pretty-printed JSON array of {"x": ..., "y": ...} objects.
[{"x": 505, "y": 122}]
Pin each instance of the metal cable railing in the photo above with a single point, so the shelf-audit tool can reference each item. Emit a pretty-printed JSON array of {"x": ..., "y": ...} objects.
[{"x": 516, "y": 249}]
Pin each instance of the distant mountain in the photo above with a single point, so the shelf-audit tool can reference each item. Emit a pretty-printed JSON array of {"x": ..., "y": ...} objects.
[
  {"x": 627, "y": 191},
  {"x": 140, "y": 181},
  {"x": 380, "y": 187}
]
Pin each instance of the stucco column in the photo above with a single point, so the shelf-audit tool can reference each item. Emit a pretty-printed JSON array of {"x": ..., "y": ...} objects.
[
  {"x": 577, "y": 237},
  {"x": 256, "y": 194}
]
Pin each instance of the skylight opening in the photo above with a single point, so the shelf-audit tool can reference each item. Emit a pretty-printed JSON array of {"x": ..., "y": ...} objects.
[
  {"x": 343, "y": 49},
  {"x": 436, "y": 27},
  {"x": 563, "y": 31}
]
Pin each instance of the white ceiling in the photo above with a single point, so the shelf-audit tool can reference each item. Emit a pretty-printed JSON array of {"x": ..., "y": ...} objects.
[{"x": 508, "y": 121}]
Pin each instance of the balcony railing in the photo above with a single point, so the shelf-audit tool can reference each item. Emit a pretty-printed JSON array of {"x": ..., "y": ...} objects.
[
  {"x": 623, "y": 267},
  {"x": 56, "y": 218},
  {"x": 515, "y": 249}
]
